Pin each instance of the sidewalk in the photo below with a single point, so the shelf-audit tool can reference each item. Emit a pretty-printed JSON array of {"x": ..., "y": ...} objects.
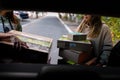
[{"x": 72, "y": 25}]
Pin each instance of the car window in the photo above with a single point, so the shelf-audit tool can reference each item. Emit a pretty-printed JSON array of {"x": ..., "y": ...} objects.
[
  {"x": 39, "y": 22},
  {"x": 51, "y": 24}
]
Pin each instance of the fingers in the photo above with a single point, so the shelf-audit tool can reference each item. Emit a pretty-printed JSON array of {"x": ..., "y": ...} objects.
[
  {"x": 18, "y": 44},
  {"x": 24, "y": 45}
]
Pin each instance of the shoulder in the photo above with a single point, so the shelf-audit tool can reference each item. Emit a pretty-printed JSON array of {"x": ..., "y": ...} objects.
[
  {"x": 15, "y": 17},
  {"x": 105, "y": 27}
]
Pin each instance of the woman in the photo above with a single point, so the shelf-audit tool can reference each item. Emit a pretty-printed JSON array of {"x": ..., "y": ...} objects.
[
  {"x": 7, "y": 16},
  {"x": 100, "y": 36},
  {"x": 10, "y": 22}
]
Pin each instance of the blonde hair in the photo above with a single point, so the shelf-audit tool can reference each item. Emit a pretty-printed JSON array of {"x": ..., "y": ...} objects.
[{"x": 95, "y": 24}]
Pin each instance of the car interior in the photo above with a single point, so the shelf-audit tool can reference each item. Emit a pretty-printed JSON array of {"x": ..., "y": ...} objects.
[{"x": 39, "y": 69}]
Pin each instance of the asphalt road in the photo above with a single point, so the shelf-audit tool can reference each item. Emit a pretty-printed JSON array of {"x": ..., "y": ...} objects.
[{"x": 49, "y": 26}]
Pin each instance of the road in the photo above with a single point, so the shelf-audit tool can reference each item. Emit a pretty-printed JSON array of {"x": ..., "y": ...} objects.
[{"x": 48, "y": 26}]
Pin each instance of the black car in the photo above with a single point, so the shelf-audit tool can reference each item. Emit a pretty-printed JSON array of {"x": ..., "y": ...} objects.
[
  {"x": 21, "y": 15},
  {"x": 24, "y": 15}
]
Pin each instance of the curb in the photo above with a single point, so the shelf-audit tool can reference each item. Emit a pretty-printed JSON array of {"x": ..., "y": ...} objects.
[
  {"x": 68, "y": 29},
  {"x": 31, "y": 22}
]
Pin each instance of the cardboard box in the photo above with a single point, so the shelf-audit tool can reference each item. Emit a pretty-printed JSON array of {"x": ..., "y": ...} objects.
[
  {"x": 35, "y": 42},
  {"x": 65, "y": 43},
  {"x": 10, "y": 54},
  {"x": 75, "y": 36},
  {"x": 77, "y": 57}
]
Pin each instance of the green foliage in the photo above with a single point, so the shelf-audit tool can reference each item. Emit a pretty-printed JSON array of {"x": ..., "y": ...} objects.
[
  {"x": 71, "y": 62},
  {"x": 65, "y": 17},
  {"x": 114, "y": 24},
  {"x": 79, "y": 16}
]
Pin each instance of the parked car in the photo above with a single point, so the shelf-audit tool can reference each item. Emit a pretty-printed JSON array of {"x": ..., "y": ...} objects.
[{"x": 21, "y": 14}]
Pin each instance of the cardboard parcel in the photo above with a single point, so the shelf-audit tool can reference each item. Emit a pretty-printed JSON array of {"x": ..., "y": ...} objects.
[
  {"x": 35, "y": 42},
  {"x": 66, "y": 43},
  {"x": 76, "y": 36}
]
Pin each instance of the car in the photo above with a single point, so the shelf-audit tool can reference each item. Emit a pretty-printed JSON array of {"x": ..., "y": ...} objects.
[{"x": 21, "y": 15}]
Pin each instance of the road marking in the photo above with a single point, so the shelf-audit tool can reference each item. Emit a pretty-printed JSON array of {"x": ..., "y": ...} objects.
[
  {"x": 68, "y": 29},
  {"x": 31, "y": 22}
]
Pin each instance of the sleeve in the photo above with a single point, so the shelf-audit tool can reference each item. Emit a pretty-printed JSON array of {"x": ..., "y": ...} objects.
[
  {"x": 107, "y": 46},
  {"x": 19, "y": 27},
  {"x": 17, "y": 23}
]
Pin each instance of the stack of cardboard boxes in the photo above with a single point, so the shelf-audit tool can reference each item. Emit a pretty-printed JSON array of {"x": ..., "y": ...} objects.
[{"x": 74, "y": 47}]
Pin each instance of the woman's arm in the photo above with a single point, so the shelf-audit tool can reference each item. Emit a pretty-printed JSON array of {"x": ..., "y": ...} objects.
[
  {"x": 9, "y": 37},
  {"x": 5, "y": 35},
  {"x": 107, "y": 46}
]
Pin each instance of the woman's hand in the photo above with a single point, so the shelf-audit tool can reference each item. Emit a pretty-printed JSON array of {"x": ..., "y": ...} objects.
[
  {"x": 91, "y": 61},
  {"x": 18, "y": 43},
  {"x": 10, "y": 37}
]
